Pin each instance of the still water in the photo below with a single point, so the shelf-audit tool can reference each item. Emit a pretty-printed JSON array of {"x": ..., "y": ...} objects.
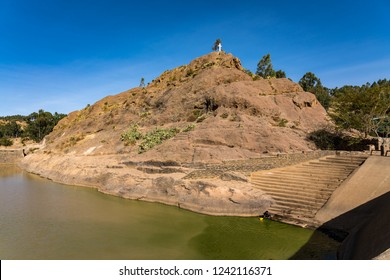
[{"x": 40, "y": 219}]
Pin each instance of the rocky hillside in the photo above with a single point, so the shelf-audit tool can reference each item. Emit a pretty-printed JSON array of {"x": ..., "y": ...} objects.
[
  {"x": 190, "y": 138},
  {"x": 214, "y": 109}
]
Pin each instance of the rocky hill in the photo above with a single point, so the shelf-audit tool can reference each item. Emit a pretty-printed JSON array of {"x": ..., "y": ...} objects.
[
  {"x": 229, "y": 115},
  {"x": 207, "y": 112}
]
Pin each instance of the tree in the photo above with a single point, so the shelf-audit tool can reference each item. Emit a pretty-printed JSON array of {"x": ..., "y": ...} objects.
[
  {"x": 216, "y": 43},
  {"x": 142, "y": 83},
  {"x": 310, "y": 83},
  {"x": 365, "y": 109},
  {"x": 280, "y": 74},
  {"x": 11, "y": 129},
  {"x": 265, "y": 68},
  {"x": 40, "y": 124}
]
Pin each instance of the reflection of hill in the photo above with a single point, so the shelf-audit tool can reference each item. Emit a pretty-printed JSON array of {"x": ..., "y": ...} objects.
[{"x": 9, "y": 170}]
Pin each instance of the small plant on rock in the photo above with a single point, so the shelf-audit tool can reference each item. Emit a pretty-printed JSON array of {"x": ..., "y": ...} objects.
[{"x": 131, "y": 136}]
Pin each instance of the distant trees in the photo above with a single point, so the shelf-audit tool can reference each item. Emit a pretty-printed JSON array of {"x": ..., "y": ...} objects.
[
  {"x": 37, "y": 125},
  {"x": 309, "y": 82},
  {"x": 365, "y": 108},
  {"x": 10, "y": 129},
  {"x": 266, "y": 70},
  {"x": 40, "y": 124}
]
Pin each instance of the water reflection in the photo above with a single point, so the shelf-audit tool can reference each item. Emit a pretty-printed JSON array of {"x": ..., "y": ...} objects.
[{"x": 43, "y": 220}]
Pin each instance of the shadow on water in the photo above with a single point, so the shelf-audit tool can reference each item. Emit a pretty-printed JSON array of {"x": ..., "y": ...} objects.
[{"x": 364, "y": 231}]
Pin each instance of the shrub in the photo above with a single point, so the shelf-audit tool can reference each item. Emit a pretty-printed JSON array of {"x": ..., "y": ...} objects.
[
  {"x": 131, "y": 136},
  {"x": 5, "y": 142},
  {"x": 189, "y": 128},
  {"x": 156, "y": 137},
  {"x": 282, "y": 123}
]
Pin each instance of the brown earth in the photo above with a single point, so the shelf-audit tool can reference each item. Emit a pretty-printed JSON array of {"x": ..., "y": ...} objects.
[{"x": 221, "y": 115}]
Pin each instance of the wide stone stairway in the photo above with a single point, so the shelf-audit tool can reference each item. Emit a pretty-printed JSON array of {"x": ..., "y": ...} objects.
[{"x": 299, "y": 191}]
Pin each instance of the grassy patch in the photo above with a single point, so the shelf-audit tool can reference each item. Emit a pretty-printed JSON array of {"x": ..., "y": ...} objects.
[{"x": 152, "y": 138}]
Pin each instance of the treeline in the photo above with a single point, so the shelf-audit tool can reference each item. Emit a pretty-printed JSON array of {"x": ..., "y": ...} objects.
[
  {"x": 34, "y": 126},
  {"x": 364, "y": 109}
]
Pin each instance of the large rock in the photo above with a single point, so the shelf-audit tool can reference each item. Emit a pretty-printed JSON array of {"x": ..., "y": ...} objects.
[{"x": 233, "y": 118}]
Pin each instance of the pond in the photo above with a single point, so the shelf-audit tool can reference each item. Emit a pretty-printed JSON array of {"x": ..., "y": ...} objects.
[{"x": 40, "y": 219}]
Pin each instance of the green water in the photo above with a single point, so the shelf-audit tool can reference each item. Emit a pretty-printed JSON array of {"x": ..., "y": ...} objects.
[{"x": 40, "y": 219}]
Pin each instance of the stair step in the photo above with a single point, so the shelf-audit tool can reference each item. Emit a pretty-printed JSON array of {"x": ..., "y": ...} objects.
[
  {"x": 304, "y": 190},
  {"x": 286, "y": 196},
  {"x": 299, "y": 191},
  {"x": 296, "y": 178},
  {"x": 300, "y": 180},
  {"x": 296, "y": 201},
  {"x": 292, "y": 183}
]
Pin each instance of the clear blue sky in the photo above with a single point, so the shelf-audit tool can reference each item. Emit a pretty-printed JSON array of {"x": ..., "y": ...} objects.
[{"x": 60, "y": 55}]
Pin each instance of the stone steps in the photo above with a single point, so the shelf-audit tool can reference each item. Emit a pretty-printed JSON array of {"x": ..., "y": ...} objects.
[
  {"x": 296, "y": 179},
  {"x": 308, "y": 190},
  {"x": 299, "y": 191}
]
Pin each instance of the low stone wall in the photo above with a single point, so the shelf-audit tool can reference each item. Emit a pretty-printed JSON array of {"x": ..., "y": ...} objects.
[{"x": 10, "y": 155}]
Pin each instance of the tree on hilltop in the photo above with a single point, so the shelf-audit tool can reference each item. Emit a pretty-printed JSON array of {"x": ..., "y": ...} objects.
[
  {"x": 265, "y": 68},
  {"x": 309, "y": 81},
  {"x": 280, "y": 74},
  {"x": 142, "y": 82},
  {"x": 216, "y": 44}
]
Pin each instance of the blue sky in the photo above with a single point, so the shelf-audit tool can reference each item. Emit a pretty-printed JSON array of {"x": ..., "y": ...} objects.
[{"x": 60, "y": 55}]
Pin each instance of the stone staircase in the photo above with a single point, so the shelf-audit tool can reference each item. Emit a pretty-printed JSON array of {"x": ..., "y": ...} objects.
[{"x": 299, "y": 191}]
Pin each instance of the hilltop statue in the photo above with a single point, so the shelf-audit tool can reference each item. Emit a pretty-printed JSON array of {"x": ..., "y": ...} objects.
[
  {"x": 142, "y": 83},
  {"x": 217, "y": 45}
]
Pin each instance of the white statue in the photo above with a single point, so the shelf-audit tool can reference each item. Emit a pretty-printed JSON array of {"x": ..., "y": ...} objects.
[{"x": 219, "y": 47}]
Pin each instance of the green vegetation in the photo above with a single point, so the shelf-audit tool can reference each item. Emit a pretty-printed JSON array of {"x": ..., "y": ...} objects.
[
  {"x": 131, "y": 136},
  {"x": 156, "y": 137},
  {"x": 310, "y": 83},
  {"x": 216, "y": 43},
  {"x": 34, "y": 126},
  {"x": 41, "y": 124},
  {"x": 365, "y": 109},
  {"x": 152, "y": 138},
  {"x": 266, "y": 70},
  {"x": 282, "y": 123},
  {"x": 142, "y": 82},
  {"x": 5, "y": 141}
]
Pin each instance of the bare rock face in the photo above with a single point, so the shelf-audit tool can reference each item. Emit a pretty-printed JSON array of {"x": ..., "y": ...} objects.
[
  {"x": 218, "y": 112},
  {"x": 233, "y": 116}
]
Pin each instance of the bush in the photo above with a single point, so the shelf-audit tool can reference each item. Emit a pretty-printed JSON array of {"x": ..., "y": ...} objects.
[
  {"x": 5, "y": 142},
  {"x": 131, "y": 136},
  {"x": 151, "y": 138},
  {"x": 282, "y": 123},
  {"x": 189, "y": 128},
  {"x": 327, "y": 140},
  {"x": 156, "y": 137}
]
